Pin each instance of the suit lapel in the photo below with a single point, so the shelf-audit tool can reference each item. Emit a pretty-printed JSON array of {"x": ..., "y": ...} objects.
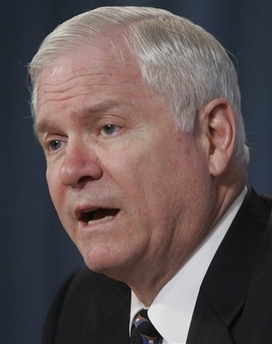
[
  {"x": 115, "y": 314},
  {"x": 115, "y": 327},
  {"x": 95, "y": 309},
  {"x": 225, "y": 286}
]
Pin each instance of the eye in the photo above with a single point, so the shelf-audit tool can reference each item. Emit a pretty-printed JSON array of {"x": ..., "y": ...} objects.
[
  {"x": 55, "y": 145},
  {"x": 110, "y": 129}
]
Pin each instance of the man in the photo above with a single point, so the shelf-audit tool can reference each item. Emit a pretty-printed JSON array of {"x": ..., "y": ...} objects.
[{"x": 138, "y": 112}]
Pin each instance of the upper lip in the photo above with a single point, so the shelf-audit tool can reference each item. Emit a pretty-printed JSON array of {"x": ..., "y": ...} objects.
[{"x": 80, "y": 211}]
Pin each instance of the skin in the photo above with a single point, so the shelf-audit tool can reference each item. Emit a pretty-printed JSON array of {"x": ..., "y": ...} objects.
[{"x": 110, "y": 143}]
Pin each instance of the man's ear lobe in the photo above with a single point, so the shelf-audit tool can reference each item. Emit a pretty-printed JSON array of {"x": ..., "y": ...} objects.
[{"x": 221, "y": 132}]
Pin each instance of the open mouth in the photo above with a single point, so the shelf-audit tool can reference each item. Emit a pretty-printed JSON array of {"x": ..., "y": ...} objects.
[{"x": 98, "y": 215}]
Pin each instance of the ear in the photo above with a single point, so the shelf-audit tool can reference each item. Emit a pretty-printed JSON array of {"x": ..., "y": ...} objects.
[{"x": 218, "y": 124}]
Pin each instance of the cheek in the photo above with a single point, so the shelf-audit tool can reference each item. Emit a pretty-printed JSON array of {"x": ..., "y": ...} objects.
[
  {"x": 169, "y": 178},
  {"x": 54, "y": 187},
  {"x": 152, "y": 184},
  {"x": 60, "y": 201}
]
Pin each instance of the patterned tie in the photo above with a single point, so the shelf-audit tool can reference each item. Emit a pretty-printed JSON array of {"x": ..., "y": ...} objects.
[{"x": 142, "y": 330}]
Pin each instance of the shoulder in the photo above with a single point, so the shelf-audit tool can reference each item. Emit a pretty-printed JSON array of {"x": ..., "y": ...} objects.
[
  {"x": 85, "y": 295},
  {"x": 256, "y": 202},
  {"x": 85, "y": 286},
  {"x": 257, "y": 312}
]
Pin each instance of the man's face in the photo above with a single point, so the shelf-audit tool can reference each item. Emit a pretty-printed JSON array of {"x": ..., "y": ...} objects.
[{"x": 130, "y": 190}]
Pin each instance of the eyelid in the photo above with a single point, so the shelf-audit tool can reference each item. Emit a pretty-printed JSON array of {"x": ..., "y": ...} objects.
[
  {"x": 49, "y": 139},
  {"x": 50, "y": 148}
]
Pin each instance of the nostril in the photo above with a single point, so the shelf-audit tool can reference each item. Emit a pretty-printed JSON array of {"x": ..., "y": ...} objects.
[
  {"x": 84, "y": 180},
  {"x": 77, "y": 178}
]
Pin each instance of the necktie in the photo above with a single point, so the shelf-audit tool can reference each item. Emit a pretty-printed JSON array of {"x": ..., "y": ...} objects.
[{"x": 142, "y": 330}]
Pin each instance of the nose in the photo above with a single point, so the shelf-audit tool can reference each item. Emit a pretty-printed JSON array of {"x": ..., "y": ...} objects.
[{"x": 80, "y": 165}]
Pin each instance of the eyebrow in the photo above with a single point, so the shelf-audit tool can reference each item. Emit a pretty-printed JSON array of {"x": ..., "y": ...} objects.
[
  {"x": 44, "y": 125},
  {"x": 41, "y": 127}
]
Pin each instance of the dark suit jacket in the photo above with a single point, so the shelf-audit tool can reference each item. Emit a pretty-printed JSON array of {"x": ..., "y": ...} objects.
[{"x": 234, "y": 304}]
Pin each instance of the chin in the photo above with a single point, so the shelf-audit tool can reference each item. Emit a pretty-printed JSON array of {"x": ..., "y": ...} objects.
[
  {"x": 101, "y": 259},
  {"x": 109, "y": 263}
]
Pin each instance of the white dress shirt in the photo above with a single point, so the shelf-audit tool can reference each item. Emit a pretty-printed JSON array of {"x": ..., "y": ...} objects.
[{"x": 172, "y": 309}]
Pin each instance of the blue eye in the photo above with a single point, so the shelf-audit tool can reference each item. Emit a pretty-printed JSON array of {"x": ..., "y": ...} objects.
[
  {"x": 55, "y": 145},
  {"x": 110, "y": 129}
]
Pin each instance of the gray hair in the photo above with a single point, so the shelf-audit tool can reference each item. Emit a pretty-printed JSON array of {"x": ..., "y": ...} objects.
[{"x": 181, "y": 61}]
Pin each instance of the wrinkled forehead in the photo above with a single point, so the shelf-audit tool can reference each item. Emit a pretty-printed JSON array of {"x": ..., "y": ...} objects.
[
  {"x": 87, "y": 60},
  {"x": 88, "y": 75},
  {"x": 101, "y": 50},
  {"x": 109, "y": 45}
]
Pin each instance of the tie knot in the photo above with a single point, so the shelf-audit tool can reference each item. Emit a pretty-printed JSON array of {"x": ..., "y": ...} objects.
[{"x": 143, "y": 332}]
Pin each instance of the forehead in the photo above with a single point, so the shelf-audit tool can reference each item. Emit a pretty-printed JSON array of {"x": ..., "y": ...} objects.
[
  {"x": 85, "y": 67},
  {"x": 94, "y": 58}
]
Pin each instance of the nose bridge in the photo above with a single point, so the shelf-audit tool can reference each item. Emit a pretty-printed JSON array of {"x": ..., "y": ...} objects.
[{"x": 80, "y": 164}]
